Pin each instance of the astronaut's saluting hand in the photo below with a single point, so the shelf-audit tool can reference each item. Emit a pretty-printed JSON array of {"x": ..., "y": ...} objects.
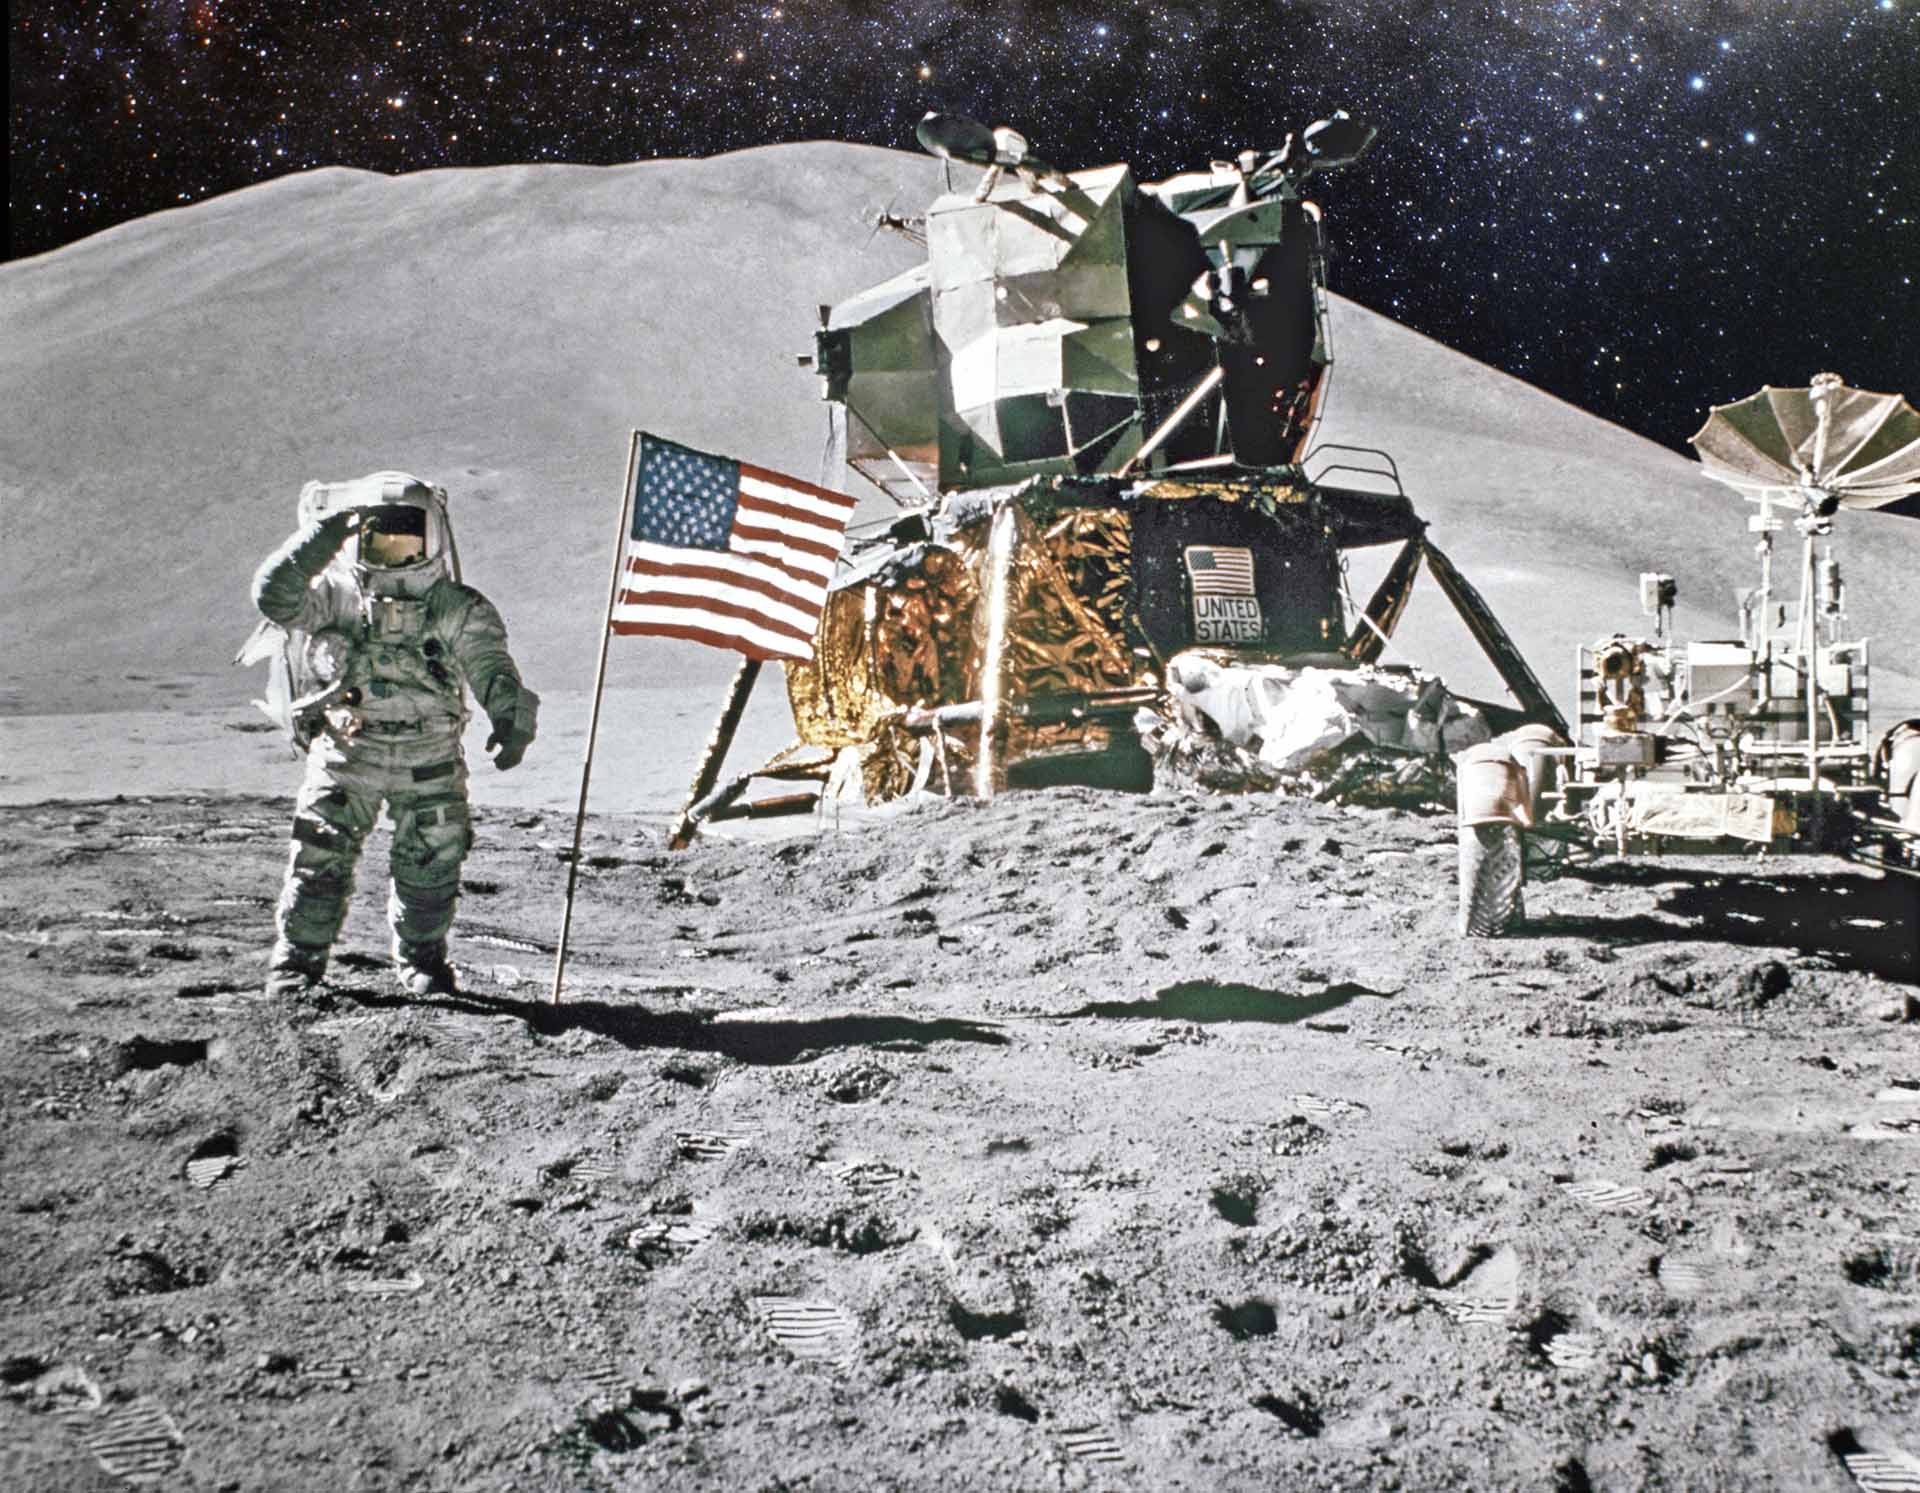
[{"x": 380, "y": 644}]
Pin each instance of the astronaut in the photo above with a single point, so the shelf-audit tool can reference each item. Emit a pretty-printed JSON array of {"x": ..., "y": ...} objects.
[{"x": 383, "y": 640}]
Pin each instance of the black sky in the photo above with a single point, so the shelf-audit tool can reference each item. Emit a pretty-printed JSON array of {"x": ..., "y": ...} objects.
[{"x": 1642, "y": 208}]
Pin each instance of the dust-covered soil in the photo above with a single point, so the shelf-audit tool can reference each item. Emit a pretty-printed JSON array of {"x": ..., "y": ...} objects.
[{"x": 1068, "y": 1140}]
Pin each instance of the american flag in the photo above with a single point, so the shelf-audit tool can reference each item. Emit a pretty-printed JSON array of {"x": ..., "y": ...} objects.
[
  {"x": 727, "y": 554},
  {"x": 1218, "y": 571}
]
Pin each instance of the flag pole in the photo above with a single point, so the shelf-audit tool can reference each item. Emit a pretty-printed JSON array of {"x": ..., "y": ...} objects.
[{"x": 593, "y": 721}]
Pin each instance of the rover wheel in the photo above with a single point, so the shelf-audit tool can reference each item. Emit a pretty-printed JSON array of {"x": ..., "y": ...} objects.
[
  {"x": 1546, "y": 856},
  {"x": 1492, "y": 871}
]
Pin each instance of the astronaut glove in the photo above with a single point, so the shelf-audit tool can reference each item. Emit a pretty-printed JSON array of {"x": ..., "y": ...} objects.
[
  {"x": 515, "y": 724},
  {"x": 308, "y": 553},
  {"x": 512, "y": 746},
  {"x": 339, "y": 527}
]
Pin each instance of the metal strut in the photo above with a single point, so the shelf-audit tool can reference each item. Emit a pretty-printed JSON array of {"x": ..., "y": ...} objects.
[
  {"x": 1376, "y": 624},
  {"x": 1494, "y": 641}
]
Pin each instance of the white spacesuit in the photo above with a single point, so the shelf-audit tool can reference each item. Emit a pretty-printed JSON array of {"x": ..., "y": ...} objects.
[{"x": 383, "y": 638}]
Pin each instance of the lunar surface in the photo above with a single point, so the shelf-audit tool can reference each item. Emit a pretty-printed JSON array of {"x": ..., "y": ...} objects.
[
  {"x": 1069, "y": 1140},
  {"x": 1066, "y": 1140}
]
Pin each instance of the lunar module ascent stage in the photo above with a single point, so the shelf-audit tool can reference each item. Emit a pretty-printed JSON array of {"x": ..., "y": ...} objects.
[{"x": 1093, "y": 403}]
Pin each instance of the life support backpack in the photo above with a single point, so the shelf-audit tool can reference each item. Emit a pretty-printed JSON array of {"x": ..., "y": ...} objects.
[{"x": 305, "y": 670}]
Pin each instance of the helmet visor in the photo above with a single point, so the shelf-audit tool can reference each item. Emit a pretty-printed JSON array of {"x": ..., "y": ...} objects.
[{"x": 393, "y": 535}]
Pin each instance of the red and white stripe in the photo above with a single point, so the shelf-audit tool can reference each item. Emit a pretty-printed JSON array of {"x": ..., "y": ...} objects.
[{"x": 763, "y": 594}]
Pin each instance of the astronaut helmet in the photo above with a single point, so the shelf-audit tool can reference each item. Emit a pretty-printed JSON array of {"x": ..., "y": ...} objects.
[
  {"x": 403, "y": 544},
  {"x": 393, "y": 536}
]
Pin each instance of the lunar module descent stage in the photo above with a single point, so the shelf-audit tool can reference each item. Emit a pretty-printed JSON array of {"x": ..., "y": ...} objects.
[{"x": 1093, "y": 403}]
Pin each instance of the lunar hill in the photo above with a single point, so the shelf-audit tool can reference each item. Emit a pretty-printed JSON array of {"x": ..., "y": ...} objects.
[{"x": 171, "y": 382}]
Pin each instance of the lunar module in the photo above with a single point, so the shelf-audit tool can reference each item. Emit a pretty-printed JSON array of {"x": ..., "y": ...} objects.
[
  {"x": 1759, "y": 743},
  {"x": 1117, "y": 552}
]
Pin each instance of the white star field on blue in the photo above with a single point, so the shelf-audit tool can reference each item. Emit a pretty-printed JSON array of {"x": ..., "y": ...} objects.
[{"x": 684, "y": 498}]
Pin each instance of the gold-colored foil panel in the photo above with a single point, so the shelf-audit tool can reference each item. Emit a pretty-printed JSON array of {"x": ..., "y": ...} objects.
[
  {"x": 883, "y": 649},
  {"x": 832, "y": 697},
  {"x": 922, "y": 631},
  {"x": 880, "y": 649},
  {"x": 888, "y": 762},
  {"x": 1056, "y": 643},
  {"x": 1094, "y": 547}
]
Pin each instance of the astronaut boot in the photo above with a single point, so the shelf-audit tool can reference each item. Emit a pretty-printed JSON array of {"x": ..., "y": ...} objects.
[
  {"x": 294, "y": 969},
  {"x": 422, "y": 969}
]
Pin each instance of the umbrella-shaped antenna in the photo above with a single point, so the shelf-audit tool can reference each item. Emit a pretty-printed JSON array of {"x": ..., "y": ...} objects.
[
  {"x": 1828, "y": 447},
  {"x": 1831, "y": 445}
]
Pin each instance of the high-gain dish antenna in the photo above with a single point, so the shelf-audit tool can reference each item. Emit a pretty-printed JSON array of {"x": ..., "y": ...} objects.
[
  {"x": 1817, "y": 450},
  {"x": 1826, "y": 445}
]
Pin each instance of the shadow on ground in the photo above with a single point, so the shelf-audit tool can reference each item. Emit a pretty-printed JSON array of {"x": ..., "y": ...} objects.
[
  {"x": 1210, "y": 1001},
  {"x": 1861, "y": 923},
  {"x": 764, "y": 1041}
]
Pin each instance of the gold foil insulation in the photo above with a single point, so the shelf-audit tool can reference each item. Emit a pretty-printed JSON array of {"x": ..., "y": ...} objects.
[
  {"x": 909, "y": 639},
  {"x": 1056, "y": 643}
]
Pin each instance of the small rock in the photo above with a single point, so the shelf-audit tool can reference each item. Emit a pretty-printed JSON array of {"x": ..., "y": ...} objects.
[
  {"x": 690, "y": 1389},
  {"x": 1761, "y": 984},
  {"x": 1650, "y": 1367}
]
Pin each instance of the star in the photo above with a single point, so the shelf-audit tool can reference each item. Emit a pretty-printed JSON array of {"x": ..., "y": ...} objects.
[{"x": 1499, "y": 162}]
